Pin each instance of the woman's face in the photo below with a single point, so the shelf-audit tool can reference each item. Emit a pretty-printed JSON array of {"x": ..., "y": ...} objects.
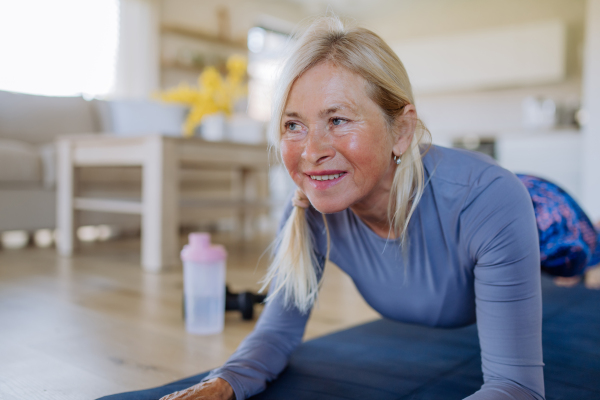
[{"x": 336, "y": 144}]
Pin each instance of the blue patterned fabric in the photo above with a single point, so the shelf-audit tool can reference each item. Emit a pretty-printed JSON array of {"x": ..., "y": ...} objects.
[{"x": 569, "y": 243}]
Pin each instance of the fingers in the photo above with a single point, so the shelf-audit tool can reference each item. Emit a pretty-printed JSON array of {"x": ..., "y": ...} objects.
[
  {"x": 300, "y": 199},
  {"x": 172, "y": 396},
  {"x": 191, "y": 393},
  {"x": 214, "y": 389}
]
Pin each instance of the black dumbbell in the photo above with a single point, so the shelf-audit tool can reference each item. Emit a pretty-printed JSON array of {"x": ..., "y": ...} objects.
[{"x": 243, "y": 302}]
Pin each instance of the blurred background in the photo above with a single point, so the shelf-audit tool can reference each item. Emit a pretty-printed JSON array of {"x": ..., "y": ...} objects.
[
  {"x": 125, "y": 124},
  {"x": 515, "y": 79}
]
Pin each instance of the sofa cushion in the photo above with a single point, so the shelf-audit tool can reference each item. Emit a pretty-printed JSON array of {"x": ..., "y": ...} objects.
[
  {"x": 39, "y": 119},
  {"x": 19, "y": 162}
]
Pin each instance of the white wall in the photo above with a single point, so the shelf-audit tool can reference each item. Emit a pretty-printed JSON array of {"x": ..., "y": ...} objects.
[
  {"x": 487, "y": 112},
  {"x": 515, "y": 55},
  {"x": 591, "y": 102},
  {"x": 555, "y": 157},
  {"x": 401, "y": 20}
]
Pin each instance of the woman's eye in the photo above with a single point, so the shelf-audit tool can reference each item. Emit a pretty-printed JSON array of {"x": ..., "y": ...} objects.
[{"x": 292, "y": 126}]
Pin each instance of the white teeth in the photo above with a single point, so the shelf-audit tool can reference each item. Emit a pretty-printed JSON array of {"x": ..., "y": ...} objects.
[{"x": 324, "y": 177}]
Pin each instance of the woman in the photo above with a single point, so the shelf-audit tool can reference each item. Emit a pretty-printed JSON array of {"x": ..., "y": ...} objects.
[
  {"x": 569, "y": 242},
  {"x": 429, "y": 235}
]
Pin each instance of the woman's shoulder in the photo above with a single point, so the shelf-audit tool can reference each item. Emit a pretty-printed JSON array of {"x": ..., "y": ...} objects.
[
  {"x": 475, "y": 178},
  {"x": 463, "y": 167}
]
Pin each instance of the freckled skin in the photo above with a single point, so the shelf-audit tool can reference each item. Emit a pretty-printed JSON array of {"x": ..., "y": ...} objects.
[{"x": 352, "y": 137}]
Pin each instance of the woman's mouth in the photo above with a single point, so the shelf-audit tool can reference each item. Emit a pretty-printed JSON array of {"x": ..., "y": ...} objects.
[{"x": 325, "y": 179}]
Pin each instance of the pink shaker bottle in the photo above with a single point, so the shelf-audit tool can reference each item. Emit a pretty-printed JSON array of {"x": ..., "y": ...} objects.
[{"x": 203, "y": 285}]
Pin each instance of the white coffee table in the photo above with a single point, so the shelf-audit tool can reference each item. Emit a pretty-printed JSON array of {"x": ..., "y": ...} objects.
[{"x": 161, "y": 159}]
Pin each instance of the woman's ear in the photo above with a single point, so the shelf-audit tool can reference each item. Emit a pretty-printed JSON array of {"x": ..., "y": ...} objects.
[{"x": 404, "y": 129}]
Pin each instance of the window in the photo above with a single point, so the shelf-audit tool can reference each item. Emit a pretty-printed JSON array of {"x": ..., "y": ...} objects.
[
  {"x": 58, "y": 47},
  {"x": 266, "y": 55}
]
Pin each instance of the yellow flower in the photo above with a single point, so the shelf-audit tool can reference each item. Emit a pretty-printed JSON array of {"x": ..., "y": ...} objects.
[
  {"x": 236, "y": 66},
  {"x": 212, "y": 95},
  {"x": 210, "y": 80}
]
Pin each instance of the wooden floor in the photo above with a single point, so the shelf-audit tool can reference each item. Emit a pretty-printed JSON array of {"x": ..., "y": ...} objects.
[{"x": 95, "y": 324}]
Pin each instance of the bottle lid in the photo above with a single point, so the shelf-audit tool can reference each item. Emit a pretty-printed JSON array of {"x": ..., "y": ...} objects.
[{"x": 201, "y": 250}]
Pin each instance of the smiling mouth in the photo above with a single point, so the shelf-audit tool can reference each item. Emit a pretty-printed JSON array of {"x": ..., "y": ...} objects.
[{"x": 326, "y": 177}]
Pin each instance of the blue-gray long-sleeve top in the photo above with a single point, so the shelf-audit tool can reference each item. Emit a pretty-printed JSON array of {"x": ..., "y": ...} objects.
[{"x": 472, "y": 255}]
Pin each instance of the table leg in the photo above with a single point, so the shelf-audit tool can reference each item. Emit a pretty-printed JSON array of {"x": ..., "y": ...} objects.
[
  {"x": 160, "y": 205},
  {"x": 65, "y": 192}
]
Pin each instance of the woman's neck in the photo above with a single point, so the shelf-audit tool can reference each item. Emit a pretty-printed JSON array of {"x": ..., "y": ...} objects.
[
  {"x": 373, "y": 211},
  {"x": 381, "y": 227}
]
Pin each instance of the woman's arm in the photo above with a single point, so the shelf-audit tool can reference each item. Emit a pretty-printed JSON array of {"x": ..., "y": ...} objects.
[
  {"x": 265, "y": 352},
  {"x": 262, "y": 355},
  {"x": 498, "y": 226}
]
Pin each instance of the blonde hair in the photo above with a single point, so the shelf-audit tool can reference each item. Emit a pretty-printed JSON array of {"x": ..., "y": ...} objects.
[{"x": 361, "y": 51}]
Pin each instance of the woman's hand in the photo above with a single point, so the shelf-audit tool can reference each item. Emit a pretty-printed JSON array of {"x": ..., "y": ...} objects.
[
  {"x": 300, "y": 199},
  {"x": 214, "y": 389}
]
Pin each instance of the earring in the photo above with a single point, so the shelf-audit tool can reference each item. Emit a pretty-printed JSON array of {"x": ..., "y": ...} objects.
[{"x": 397, "y": 159}]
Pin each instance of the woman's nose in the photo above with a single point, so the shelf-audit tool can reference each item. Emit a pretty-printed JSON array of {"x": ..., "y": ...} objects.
[{"x": 318, "y": 148}]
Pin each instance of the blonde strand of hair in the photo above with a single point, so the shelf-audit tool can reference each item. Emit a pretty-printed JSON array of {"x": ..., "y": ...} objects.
[{"x": 294, "y": 266}]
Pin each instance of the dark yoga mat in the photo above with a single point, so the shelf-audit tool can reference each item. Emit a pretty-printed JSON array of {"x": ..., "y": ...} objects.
[{"x": 389, "y": 360}]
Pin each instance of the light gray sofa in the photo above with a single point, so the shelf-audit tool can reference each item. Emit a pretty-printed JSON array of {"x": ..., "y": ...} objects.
[{"x": 28, "y": 126}]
